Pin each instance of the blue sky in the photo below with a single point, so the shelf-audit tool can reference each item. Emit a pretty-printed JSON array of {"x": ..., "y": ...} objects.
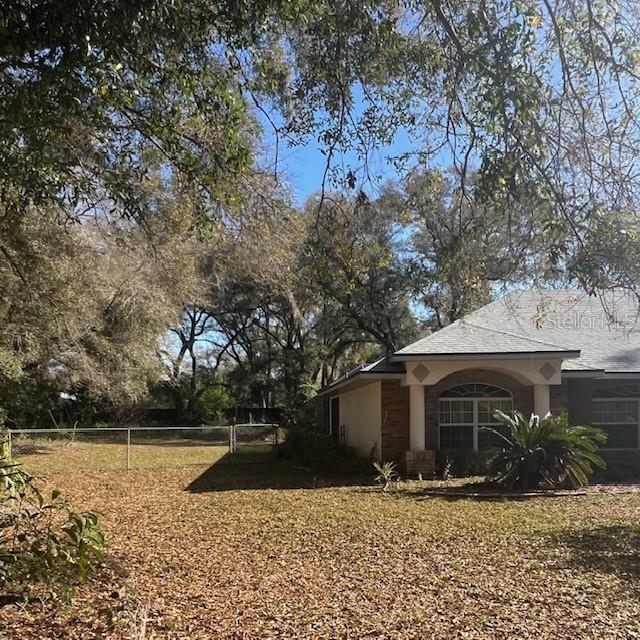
[{"x": 303, "y": 166}]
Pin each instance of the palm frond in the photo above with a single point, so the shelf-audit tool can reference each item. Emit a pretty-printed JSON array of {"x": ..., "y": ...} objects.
[{"x": 547, "y": 451}]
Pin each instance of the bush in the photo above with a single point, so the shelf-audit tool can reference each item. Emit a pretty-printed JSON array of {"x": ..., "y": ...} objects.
[
  {"x": 45, "y": 546},
  {"x": 461, "y": 463},
  {"x": 212, "y": 405},
  {"x": 548, "y": 451},
  {"x": 322, "y": 454}
]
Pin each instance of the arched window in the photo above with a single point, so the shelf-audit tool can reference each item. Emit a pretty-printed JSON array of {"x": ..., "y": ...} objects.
[
  {"x": 463, "y": 409},
  {"x": 616, "y": 411}
]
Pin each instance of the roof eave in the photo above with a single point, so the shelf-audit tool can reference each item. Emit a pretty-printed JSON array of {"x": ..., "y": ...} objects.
[
  {"x": 621, "y": 374},
  {"x": 489, "y": 355},
  {"x": 372, "y": 376},
  {"x": 583, "y": 373}
]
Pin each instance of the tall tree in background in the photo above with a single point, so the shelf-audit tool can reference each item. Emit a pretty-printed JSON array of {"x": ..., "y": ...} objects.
[
  {"x": 130, "y": 129},
  {"x": 539, "y": 98},
  {"x": 462, "y": 253},
  {"x": 355, "y": 248}
]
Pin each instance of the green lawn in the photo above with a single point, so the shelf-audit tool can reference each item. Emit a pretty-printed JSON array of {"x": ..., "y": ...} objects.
[{"x": 250, "y": 551}]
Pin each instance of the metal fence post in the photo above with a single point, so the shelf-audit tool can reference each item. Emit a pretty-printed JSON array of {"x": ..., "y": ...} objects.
[
  {"x": 88, "y": 448},
  {"x": 275, "y": 440}
]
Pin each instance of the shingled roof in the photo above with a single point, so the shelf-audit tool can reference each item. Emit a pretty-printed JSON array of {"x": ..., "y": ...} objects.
[
  {"x": 605, "y": 330},
  {"x": 464, "y": 338},
  {"x": 384, "y": 366}
]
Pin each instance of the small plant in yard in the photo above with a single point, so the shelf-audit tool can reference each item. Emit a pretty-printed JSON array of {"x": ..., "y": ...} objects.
[
  {"x": 548, "y": 451},
  {"x": 45, "y": 546},
  {"x": 447, "y": 469},
  {"x": 386, "y": 474}
]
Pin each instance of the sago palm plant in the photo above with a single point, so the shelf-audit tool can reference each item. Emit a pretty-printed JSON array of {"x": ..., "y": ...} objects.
[
  {"x": 549, "y": 451},
  {"x": 386, "y": 474}
]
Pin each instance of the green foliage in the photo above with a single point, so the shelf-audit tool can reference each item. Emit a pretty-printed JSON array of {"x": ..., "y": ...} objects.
[
  {"x": 29, "y": 400},
  {"x": 212, "y": 404},
  {"x": 386, "y": 473},
  {"x": 85, "y": 97},
  {"x": 45, "y": 546},
  {"x": 462, "y": 248},
  {"x": 548, "y": 451},
  {"x": 353, "y": 252}
]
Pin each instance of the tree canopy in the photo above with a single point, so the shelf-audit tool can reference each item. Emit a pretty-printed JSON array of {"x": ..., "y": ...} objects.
[{"x": 146, "y": 231}]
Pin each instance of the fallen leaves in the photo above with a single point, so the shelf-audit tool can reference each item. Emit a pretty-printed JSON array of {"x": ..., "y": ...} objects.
[{"x": 349, "y": 562}]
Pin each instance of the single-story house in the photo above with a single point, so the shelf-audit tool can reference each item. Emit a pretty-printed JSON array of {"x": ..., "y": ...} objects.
[{"x": 534, "y": 351}]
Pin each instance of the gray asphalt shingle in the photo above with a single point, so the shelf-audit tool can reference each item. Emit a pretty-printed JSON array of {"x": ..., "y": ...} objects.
[
  {"x": 605, "y": 330},
  {"x": 464, "y": 336}
]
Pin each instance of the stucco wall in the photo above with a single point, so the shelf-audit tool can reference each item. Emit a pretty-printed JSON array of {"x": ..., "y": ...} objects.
[
  {"x": 527, "y": 370},
  {"x": 360, "y": 412}
]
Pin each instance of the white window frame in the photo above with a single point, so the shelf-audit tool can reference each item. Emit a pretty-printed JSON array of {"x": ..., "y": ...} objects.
[
  {"x": 475, "y": 425},
  {"x": 617, "y": 424}
]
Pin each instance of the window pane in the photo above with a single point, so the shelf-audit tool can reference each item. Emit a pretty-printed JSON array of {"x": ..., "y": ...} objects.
[
  {"x": 456, "y": 437},
  {"x": 477, "y": 390},
  {"x": 621, "y": 436},
  {"x": 487, "y": 408},
  {"x": 456, "y": 412},
  {"x": 444, "y": 413},
  {"x": 607, "y": 411},
  {"x": 462, "y": 412}
]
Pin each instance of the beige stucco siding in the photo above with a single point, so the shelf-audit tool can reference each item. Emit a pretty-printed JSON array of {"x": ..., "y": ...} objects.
[{"x": 360, "y": 413}]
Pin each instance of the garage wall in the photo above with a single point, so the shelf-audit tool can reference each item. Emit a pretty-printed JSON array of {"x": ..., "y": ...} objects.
[{"x": 360, "y": 412}]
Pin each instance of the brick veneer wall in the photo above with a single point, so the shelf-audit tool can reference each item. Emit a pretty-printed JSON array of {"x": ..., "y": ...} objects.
[
  {"x": 395, "y": 420},
  {"x": 559, "y": 398},
  {"x": 522, "y": 396},
  {"x": 581, "y": 390},
  {"x": 579, "y": 400}
]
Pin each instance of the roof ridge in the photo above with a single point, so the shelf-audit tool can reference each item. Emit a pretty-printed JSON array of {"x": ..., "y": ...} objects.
[{"x": 517, "y": 335}]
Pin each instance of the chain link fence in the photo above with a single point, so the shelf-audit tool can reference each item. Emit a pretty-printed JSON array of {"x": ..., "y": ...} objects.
[{"x": 119, "y": 448}]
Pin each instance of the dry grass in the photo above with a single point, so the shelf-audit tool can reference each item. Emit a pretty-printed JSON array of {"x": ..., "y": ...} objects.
[
  {"x": 348, "y": 562},
  {"x": 45, "y": 458}
]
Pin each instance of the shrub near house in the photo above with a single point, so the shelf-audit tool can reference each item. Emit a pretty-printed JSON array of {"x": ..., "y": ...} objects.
[{"x": 543, "y": 451}]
